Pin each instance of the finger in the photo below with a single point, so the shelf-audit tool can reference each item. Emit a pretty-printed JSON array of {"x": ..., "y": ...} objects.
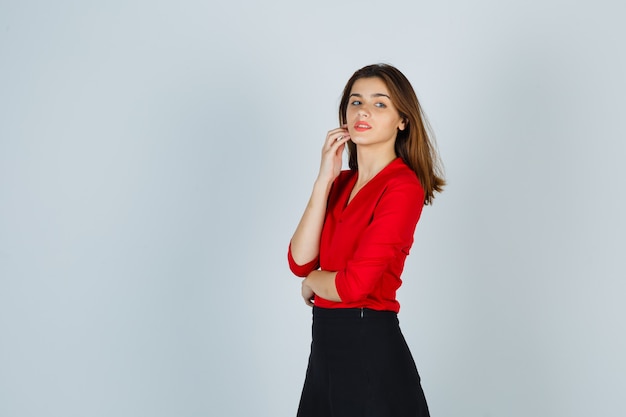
[
  {"x": 335, "y": 135},
  {"x": 338, "y": 130},
  {"x": 337, "y": 141}
]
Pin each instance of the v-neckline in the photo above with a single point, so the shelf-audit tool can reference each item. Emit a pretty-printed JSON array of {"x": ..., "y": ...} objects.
[
  {"x": 351, "y": 188},
  {"x": 354, "y": 180}
]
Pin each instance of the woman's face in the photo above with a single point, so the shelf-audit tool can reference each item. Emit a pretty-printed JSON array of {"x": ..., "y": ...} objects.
[{"x": 371, "y": 116}]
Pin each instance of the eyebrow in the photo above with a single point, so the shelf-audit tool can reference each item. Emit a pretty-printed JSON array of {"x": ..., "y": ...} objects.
[{"x": 373, "y": 95}]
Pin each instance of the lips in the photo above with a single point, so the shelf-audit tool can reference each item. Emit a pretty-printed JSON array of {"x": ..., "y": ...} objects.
[{"x": 361, "y": 126}]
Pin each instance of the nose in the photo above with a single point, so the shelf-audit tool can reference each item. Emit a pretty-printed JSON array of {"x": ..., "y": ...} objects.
[{"x": 363, "y": 111}]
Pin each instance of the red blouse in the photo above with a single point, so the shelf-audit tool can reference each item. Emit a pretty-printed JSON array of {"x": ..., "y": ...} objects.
[{"x": 368, "y": 240}]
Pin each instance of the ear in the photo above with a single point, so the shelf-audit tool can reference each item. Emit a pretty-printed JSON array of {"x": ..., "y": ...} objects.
[{"x": 402, "y": 124}]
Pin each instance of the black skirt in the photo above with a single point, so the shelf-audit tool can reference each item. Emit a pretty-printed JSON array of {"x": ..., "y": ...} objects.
[{"x": 360, "y": 366}]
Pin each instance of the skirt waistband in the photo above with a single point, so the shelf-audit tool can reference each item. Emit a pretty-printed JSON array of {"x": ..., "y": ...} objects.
[{"x": 352, "y": 313}]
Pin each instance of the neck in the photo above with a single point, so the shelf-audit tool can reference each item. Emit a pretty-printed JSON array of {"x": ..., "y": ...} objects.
[{"x": 372, "y": 161}]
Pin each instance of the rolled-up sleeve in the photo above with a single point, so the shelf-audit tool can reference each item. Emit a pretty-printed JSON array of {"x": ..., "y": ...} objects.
[
  {"x": 384, "y": 244},
  {"x": 302, "y": 270}
]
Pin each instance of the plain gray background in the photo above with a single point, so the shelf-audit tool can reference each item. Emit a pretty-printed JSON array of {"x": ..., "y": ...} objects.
[{"x": 156, "y": 156}]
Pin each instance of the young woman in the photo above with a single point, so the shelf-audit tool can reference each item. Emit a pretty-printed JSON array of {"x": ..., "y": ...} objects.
[{"x": 351, "y": 244}]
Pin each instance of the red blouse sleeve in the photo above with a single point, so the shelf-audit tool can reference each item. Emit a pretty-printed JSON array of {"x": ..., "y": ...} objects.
[
  {"x": 385, "y": 243},
  {"x": 302, "y": 270}
]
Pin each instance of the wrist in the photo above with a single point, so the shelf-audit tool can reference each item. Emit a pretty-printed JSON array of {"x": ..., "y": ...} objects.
[
  {"x": 305, "y": 283},
  {"x": 323, "y": 182}
]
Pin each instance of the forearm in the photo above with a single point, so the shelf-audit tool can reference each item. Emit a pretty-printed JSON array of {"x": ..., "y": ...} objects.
[
  {"x": 323, "y": 285},
  {"x": 305, "y": 243}
]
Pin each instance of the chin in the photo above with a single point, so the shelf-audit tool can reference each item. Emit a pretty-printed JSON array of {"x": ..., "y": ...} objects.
[
  {"x": 364, "y": 142},
  {"x": 359, "y": 140}
]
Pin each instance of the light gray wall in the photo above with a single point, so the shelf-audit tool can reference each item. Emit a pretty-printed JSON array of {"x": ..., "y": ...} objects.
[{"x": 155, "y": 158}]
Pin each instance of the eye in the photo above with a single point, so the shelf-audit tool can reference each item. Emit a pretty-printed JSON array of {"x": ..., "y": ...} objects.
[
  {"x": 355, "y": 103},
  {"x": 381, "y": 105}
]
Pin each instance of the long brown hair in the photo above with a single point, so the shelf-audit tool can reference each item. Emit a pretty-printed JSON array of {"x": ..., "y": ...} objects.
[{"x": 415, "y": 144}]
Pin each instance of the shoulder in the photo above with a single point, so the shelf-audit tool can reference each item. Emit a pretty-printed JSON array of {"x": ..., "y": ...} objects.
[
  {"x": 400, "y": 186},
  {"x": 343, "y": 179},
  {"x": 345, "y": 175},
  {"x": 341, "y": 184},
  {"x": 402, "y": 194},
  {"x": 399, "y": 175}
]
